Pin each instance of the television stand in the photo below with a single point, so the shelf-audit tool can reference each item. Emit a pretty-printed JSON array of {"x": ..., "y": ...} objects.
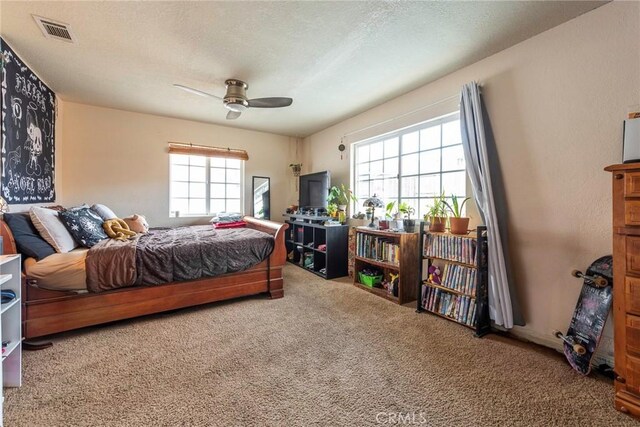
[{"x": 318, "y": 248}]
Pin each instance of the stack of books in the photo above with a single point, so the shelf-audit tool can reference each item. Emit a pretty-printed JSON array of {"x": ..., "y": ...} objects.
[
  {"x": 459, "y": 278},
  {"x": 377, "y": 248},
  {"x": 455, "y": 248},
  {"x": 458, "y": 307}
]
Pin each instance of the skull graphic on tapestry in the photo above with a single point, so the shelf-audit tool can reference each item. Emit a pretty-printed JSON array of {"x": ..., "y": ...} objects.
[{"x": 28, "y": 133}]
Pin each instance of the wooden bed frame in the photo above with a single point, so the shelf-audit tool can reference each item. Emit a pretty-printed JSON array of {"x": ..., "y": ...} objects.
[{"x": 47, "y": 312}]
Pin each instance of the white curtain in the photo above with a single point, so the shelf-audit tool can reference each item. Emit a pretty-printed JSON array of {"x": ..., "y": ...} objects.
[{"x": 474, "y": 143}]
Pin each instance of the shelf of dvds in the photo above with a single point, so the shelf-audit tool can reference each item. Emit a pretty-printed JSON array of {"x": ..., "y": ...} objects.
[
  {"x": 392, "y": 256},
  {"x": 459, "y": 292}
]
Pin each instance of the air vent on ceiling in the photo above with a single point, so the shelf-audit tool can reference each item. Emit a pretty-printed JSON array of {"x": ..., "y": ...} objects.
[{"x": 55, "y": 30}]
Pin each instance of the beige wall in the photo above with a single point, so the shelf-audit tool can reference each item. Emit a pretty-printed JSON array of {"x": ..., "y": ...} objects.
[
  {"x": 120, "y": 158},
  {"x": 556, "y": 103}
]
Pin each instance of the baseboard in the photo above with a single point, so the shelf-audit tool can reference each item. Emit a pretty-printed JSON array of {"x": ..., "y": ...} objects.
[{"x": 603, "y": 355}]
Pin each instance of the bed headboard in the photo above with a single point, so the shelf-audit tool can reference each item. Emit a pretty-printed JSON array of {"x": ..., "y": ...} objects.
[{"x": 8, "y": 242}]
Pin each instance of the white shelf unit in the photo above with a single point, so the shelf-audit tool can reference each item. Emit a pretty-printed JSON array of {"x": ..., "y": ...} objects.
[{"x": 11, "y": 324}]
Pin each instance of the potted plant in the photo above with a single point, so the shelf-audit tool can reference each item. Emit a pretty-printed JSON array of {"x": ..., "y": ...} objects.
[
  {"x": 384, "y": 223},
  {"x": 407, "y": 210},
  {"x": 341, "y": 196},
  {"x": 457, "y": 223},
  {"x": 332, "y": 210},
  {"x": 437, "y": 215}
]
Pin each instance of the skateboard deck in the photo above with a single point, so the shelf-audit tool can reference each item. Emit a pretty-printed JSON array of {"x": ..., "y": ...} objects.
[{"x": 590, "y": 315}]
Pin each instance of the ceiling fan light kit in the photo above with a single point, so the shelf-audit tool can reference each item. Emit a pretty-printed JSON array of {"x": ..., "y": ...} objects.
[{"x": 236, "y": 101}]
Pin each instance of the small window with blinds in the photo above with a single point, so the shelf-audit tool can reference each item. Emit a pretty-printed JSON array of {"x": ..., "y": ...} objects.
[{"x": 205, "y": 180}]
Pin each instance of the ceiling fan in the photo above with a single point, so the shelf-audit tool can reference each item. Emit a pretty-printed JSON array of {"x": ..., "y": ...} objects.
[{"x": 236, "y": 101}]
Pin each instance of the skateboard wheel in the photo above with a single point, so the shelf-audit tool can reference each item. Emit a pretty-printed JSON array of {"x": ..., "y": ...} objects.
[
  {"x": 579, "y": 349},
  {"x": 600, "y": 282}
]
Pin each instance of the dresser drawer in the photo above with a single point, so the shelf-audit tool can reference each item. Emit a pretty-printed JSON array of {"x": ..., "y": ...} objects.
[
  {"x": 633, "y": 255},
  {"x": 632, "y": 295},
  {"x": 632, "y": 328},
  {"x": 633, "y": 374},
  {"x": 632, "y": 184},
  {"x": 632, "y": 212}
]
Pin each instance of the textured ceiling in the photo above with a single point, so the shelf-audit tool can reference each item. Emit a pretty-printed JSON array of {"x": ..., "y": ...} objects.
[{"x": 336, "y": 59}]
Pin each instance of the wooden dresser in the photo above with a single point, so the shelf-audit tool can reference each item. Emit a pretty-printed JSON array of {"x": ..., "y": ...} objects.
[{"x": 626, "y": 285}]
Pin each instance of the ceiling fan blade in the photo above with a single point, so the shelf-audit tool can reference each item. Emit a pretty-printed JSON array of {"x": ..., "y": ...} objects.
[
  {"x": 270, "y": 102},
  {"x": 232, "y": 115},
  {"x": 196, "y": 91}
]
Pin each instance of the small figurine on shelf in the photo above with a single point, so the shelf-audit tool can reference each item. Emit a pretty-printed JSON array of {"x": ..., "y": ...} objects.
[
  {"x": 395, "y": 279},
  {"x": 434, "y": 275}
]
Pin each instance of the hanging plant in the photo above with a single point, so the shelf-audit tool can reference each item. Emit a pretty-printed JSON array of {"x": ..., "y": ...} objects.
[{"x": 296, "y": 168}]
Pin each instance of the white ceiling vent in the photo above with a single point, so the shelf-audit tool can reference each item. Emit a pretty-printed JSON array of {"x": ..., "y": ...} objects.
[{"x": 55, "y": 30}]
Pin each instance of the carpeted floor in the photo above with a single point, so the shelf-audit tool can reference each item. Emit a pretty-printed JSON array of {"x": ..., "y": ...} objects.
[{"x": 325, "y": 354}]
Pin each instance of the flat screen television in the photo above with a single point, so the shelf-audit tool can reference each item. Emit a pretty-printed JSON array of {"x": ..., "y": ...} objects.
[{"x": 314, "y": 189}]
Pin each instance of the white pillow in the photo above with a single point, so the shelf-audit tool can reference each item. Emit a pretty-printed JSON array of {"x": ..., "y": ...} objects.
[
  {"x": 104, "y": 212},
  {"x": 52, "y": 229}
]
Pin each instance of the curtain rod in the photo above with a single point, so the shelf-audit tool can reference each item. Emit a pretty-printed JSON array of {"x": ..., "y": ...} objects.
[{"x": 402, "y": 115}]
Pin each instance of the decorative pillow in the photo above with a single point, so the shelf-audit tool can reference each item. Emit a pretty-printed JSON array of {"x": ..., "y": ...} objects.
[
  {"x": 28, "y": 241},
  {"x": 84, "y": 225},
  {"x": 52, "y": 229},
  {"x": 137, "y": 223},
  {"x": 104, "y": 212}
]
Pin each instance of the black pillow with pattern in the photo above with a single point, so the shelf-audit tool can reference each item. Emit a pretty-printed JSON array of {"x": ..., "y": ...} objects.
[{"x": 84, "y": 225}]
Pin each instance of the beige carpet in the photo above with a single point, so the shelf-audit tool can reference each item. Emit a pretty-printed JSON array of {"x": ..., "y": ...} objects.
[{"x": 325, "y": 354}]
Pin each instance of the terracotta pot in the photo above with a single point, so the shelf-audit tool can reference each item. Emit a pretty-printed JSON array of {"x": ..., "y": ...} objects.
[
  {"x": 459, "y": 225},
  {"x": 437, "y": 224}
]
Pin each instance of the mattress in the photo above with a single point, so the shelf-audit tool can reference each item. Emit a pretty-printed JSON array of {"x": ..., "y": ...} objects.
[{"x": 60, "y": 271}]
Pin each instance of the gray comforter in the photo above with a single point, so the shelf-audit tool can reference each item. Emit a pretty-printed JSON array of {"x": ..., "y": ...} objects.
[{"x": 173, "y": 255}]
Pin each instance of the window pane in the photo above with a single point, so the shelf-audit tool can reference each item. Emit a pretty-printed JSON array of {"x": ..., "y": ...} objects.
[
  {"x": 233, "y": 163},
  {"x": 179, "y": 159},
  {"x": 179, "y": 189},
  {"x": 180, "y": 173},
  {"x": 452, "y": 158},
  {"x": 362, "y": 171},
  {"x": 430, "y": 185},
  {"x": 425, "y": 205},
  {"x": 217, "y": 175},
  {"x": 410, "y": 142},
  {"x": 430, "y": 138},
  {"x": 197, "y": 206},
  {"x": 198, "y": 190},
  {"x": 198, "y": 160},
  {"x": 233, "y": 190},
  {"x": 391, "y": 167},
  {"x": 377, "y": 187},
  {"x": 391, "y": 147},
  {"x": 217, "y": 162},
  {"x": 197, "y": 174},
  {"x": 362, "y": 153},
  {"x": 362, "y": 190},
  {"x": 376, "y": 169},
  {"x": 217, "y": 205},
  {"x": 451, "y": 133},
  {"x": 390, "y": 189},
  {"x": 430, "y": 161},
  {"x": 410, "y": 164},
  {"x": 180, "y": 205},
  {"x": 409, "y": 187},
  {"x": 376, "y": 150},
  {"x": 233, "y": 175},
  {"x": 454, "y": 183},
  {"x": 233, "y": 205},
  {"x": 217, "y": 190}
]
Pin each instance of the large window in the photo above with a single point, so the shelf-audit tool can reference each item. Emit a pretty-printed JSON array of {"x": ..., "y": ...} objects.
[
  {"x": 202, "y": 185},
  {"x": 413, "y": 165}
]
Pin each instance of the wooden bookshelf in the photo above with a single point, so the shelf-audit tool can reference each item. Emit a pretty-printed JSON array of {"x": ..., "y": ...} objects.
[
  {"x": 462, "y": 297},
  {"x": 407, "y": 246}
]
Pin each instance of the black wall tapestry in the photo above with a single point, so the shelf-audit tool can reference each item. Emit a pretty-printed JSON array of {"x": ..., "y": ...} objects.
[{"x": 28, "y": 133}]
